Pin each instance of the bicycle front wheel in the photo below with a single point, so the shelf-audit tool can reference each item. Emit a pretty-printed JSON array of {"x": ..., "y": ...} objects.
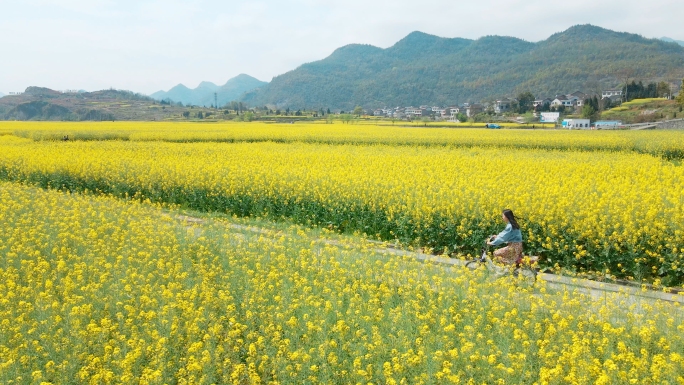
[{"x": 526, "y": 274}]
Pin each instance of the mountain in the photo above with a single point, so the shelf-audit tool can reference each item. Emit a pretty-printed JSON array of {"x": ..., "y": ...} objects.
[
  {"x": 1, "y": 94},
  {"x": 424, "y": 69},
  {"x": 38, "y": 103},
  {"x": 667, "y": 39},
  {"x": 203, "y": 95}
]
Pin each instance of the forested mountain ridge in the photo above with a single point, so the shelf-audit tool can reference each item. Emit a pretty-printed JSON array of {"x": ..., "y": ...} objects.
[
  {"x": 425, "y": 69},
  {"x": 39, "y": 103},
  {"x": 203, "y": 95}
]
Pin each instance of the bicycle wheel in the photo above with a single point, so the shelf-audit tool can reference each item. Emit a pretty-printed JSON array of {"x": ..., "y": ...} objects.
[
  {"x": 526, "y": 274},
  {"x": 474, "y": 264}
]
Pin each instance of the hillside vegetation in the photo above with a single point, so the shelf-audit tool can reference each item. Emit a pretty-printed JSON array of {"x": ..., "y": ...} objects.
[
  {"x": 426, "y": 69},
  {"x": 38, "y": 103},
  {"x": 644, "y": 110}
]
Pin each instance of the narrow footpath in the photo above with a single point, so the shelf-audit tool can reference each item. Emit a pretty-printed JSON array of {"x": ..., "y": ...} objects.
[{"x": 597, "y": 290}]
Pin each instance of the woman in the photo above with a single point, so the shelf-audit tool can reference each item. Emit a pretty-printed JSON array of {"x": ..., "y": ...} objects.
[{"x": 512, "y": 237}]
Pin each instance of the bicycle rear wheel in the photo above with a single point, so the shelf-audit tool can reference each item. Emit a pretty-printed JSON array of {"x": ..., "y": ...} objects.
[{"x": 474, "y": 264}]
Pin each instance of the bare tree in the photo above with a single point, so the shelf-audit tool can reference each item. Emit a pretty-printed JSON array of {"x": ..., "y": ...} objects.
[
  {"x": 624, "y": 75},
  {"x": 593, "y": 87}
]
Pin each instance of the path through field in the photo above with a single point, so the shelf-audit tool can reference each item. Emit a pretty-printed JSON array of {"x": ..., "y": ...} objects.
[{"x": 598, "y": 291}]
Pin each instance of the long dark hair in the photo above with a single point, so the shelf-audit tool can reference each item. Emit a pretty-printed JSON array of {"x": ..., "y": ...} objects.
[{"x": 512, "y": 219}]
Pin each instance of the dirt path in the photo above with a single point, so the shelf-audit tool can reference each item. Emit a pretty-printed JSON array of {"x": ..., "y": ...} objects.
[{"x": 597, "y": 290}]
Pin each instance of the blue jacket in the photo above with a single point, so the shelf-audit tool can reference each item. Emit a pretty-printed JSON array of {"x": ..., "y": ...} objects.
[{"x": 508, "y": 235}]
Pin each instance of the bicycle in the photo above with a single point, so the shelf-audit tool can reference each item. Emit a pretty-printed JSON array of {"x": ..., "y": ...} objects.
[{"x": 524, "y": 267}]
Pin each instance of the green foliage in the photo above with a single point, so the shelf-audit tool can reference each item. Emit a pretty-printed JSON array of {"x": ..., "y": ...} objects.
[
  {"x": 346, "y": 118},
  {"x": 640, "y": 91},
  {"x": 680, "y": 97},
  {"x": 530, "y": 118},
  {"x": 525, "y": 100},
  {"x": 358, "y": 111},
  {"x": 248, "y": 116},
  {"x": 482, "y": 117},
  {"x": 591, "y": 109},
  {"x": 588, "y": 112},
  {"x": 462, "y": 117},
  {"x": 663, "y": 90}
]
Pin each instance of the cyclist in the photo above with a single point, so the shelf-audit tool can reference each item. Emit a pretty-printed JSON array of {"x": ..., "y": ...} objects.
[{"x": 512, "y": 236}]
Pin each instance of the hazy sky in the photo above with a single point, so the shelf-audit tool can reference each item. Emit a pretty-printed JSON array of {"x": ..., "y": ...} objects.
[{"x": 148, "y": 45}]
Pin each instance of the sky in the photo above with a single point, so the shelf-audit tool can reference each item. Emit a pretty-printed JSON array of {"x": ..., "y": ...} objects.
[{"x": 151, "y": 45}]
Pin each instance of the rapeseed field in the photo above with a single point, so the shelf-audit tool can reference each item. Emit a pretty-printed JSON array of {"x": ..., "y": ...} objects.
[
  {"x": 98, "y": 290},
  {"x": 601, "y": 204}
]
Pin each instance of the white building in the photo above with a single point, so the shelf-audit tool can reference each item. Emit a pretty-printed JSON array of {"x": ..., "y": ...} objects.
[
  {"x": 549, "y": 117},
  {"x": 541, "y": 102},
  {"x": 608, "y": 124},
  {"x": 474, "y": 109},
  {"x": 503, "y": 105},
  {"x": 609, "y": 93},
  {"x": 574, "y": 124},
  {"x": 568, "y": 101},
  {"x": 571, "y": 101},
  {"x": 413, "y": 111}
]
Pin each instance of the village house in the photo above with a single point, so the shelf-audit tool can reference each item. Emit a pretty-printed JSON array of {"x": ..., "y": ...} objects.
[
  {"x": 579, "y": 95},
  {"x": 611, "y": 93},
  {"x": 442, "y": 113},
  {"x": 474, "y": 109},
  {"x": 568, "y": 101},
  {"x": 612, "y": 100},
  {"x": 503, "y": 105},
  {"x": 540, "y": 102},
  {"x": 413, "y": 111}
]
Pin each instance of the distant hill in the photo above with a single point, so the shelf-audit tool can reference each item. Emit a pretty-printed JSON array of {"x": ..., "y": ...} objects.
[
  {"x": 1, "y": 94},
  {"x": 38, "y": 103},
  {"x": 203, "y": 95},
  {"x": 426, "y": 69},
  {"x": 667, "y": 39}
]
